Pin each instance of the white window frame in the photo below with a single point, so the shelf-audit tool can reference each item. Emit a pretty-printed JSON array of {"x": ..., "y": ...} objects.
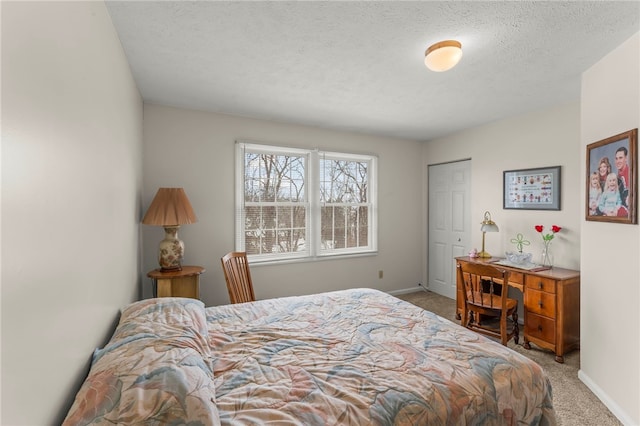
[{"x": 312, "y": 193}]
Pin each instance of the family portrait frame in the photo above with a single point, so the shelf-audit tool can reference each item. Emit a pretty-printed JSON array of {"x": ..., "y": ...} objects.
[
  {"x": 612, "y": 177},
  {"x": 532, "y": 189}
]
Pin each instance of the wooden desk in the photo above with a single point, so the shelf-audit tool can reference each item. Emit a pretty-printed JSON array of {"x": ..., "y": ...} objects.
[
  {"x": 551, "y": 305},
  {"x": 183, "y": 283}
]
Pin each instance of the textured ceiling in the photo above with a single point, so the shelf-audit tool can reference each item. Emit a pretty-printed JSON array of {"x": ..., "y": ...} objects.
[{"x": 358, "y": 66}]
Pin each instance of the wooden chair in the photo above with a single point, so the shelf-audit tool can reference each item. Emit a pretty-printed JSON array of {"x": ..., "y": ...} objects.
[
  {"x": 486, "y": 301},
  {"x": 238, "y": 277}
]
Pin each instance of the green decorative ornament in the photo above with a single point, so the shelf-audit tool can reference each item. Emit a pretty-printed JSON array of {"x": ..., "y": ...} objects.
[{"x": 519, "y": 241}]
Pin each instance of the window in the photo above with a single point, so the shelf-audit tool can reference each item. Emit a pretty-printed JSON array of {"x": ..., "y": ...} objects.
[{"x": 296, "y": 204}]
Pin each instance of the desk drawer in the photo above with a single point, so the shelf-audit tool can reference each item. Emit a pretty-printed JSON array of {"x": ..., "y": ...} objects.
[
  {"x": 540, "y": 302},
  {"x": 541, "y": 328},
  {"x": 540, "y": 283},
  {"x": 516, "y": 277}
]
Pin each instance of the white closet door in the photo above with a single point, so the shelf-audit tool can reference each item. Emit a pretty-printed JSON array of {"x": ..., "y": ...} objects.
[{"x": 449, "y": 223}]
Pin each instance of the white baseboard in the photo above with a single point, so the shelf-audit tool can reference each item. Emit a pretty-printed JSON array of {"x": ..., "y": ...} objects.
[
  {"x": 405, "y": 290},
  {"x": 608, "y": 402}
]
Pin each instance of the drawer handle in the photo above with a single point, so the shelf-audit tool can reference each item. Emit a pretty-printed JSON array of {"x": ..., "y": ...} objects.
[
  {"x": 540, "y": 304},
  {"x": 540, "y": 285},
  {"x": 539, "y": 328}
]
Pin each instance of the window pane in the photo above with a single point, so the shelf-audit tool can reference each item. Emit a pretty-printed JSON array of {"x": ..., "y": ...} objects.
[
  {"x": 326, "y": 231},
  {"x": 252, "y": 218},
  {"x": 343, "y": 181},
  {"x": 363, "y": 226},
  {"x": 344, "y": 227},
  {"x": 351, "y": 217},
  {"x": 287, "y": 174},
  {"x": 271, "y": 177},
  {"x": 339, "y": 228},
  {"x": 252, "y": 243},
  {"x": 344, "y": 185}
]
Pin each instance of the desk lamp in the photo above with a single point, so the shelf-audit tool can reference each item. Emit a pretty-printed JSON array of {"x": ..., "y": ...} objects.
[
  {"x": 487, "y": 225},
  {"x": 170, "y": 208}
]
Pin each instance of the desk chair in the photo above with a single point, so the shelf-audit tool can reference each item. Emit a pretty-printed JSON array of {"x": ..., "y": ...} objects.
[
  {"x": 485, "y": 299},
  {"x": 238, "y": 277}
]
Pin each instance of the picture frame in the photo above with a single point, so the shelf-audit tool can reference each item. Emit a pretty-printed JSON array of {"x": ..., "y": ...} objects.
[
  {"x": 532, "y": 189},
  {"x": 612, "y": 163}
]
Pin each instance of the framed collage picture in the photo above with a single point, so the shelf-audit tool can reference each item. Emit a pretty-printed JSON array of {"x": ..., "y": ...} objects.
[
  {"x": 532, "y": 189},
  {"x": 611, "y": 180}
]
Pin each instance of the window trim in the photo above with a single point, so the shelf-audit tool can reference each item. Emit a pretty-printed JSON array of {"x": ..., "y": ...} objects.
[{"x": 312, "y": 195}]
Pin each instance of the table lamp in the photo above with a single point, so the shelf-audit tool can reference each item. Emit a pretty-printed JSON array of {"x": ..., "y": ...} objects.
[
  {"x": 170, "y": 208},
  {"x": 487, "y": 225}
]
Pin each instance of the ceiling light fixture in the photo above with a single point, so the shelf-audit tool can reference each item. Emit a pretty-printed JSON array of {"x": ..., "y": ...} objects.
[{"x": 443, "y": 55}]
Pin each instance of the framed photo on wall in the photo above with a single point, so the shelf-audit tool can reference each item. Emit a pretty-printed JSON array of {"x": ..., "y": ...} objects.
[
  {"x": 611, "y": 180},
  {"x": 532, "y": 189}
]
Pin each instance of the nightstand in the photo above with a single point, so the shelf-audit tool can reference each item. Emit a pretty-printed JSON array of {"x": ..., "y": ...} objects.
[{"x": 183, "y": 283}]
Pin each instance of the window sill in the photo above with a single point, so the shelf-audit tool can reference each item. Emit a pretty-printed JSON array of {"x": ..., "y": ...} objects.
[{"x": 309, "y": 259}]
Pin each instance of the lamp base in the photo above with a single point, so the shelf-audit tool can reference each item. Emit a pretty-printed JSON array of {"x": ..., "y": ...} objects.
[
  {"x": 176, "y": 269},
  {"x": 484, "y": 254},
  {"x": 171, "y": 250}
]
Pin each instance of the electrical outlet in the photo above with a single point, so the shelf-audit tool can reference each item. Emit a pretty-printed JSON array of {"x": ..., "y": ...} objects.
[{"x": 380, "y": 274}]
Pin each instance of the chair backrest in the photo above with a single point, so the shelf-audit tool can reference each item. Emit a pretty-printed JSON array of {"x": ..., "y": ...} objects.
[
  {"x": 484, "y": 285},
  {"x": 485, "y": 289},
  {"x": 238, "y": 277}
]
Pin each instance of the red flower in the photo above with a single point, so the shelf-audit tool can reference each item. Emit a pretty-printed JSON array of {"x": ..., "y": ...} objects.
[{"x": 547, "y": 237}]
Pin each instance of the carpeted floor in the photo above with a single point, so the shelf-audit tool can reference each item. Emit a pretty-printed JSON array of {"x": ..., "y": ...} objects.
[{"x": 574, "y": 403}]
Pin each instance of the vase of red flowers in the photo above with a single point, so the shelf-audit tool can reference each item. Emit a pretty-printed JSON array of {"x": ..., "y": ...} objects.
[{"x": 546, "y": 257}]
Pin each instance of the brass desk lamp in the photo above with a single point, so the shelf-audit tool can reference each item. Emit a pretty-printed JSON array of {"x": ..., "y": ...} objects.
[{"x": 487, "y": 225}]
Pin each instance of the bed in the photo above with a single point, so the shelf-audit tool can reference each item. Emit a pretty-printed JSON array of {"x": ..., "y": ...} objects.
[{"x": 352, "y": 357}]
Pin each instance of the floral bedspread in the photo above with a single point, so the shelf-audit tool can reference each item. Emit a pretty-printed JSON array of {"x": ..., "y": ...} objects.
[
  {"x": 155, "y": 370},
  {"x": 353, "y": 357},
  {"x": 363, "y": 357}
]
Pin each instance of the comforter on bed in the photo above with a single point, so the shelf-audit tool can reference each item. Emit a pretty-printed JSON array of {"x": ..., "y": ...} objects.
[
  {"x": 155, "y": 370},
  {"x": 354, "y": 357},
  {"x": 364, "y": 357}
]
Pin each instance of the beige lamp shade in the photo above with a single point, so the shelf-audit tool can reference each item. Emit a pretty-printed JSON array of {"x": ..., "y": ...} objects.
[
  {"x": 170, "y": 208},
  {"x": 443, "y": 56}
]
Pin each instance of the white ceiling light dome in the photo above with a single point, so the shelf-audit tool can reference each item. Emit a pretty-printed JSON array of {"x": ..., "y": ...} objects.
[{"x": 443, "y": 56}]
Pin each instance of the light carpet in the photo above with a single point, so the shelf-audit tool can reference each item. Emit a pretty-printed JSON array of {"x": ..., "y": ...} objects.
[{"x": 574, "y": 403}]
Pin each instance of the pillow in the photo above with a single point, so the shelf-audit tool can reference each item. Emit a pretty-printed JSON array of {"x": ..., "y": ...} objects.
[{"x": 155, "y": 369}]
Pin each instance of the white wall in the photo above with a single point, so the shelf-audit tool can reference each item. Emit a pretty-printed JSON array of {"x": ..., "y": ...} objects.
[
  {"x": 195, "y": 150},
  {"x": 539, "y": 139},
  {"x": 610, "y": 285},
  {"x": 71, "y": 184}
]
